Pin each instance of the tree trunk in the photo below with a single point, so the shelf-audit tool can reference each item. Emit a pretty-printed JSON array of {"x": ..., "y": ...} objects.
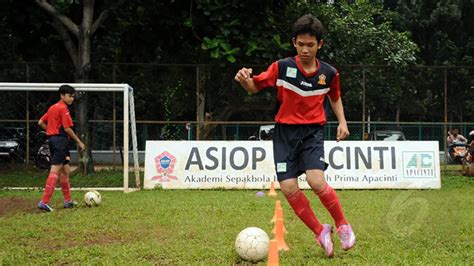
[
  {"x": 201, "y": 78},
  {"x": 85, "y": 161},
  {"x": 80, "y": 54},
  {"x": 82, "y": 76}
]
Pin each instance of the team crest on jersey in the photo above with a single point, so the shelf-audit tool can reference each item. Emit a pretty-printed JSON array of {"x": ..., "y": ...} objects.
[
  {"x": 322, "y": 79},
  {"x": 291, "y": 72}
]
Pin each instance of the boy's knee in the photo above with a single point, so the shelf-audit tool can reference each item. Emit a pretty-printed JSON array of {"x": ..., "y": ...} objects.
[{"x": 289, "y": 187}]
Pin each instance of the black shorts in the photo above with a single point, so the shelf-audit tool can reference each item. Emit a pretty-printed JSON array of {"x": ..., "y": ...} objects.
[
  {"x": 297, "y": 148},
  {"x": 59, "y": 147}
]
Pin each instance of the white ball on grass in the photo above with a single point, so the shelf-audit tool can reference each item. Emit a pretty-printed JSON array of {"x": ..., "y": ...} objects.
[
  {"x": 252, "y": 244},
  {"x": 92, "y": 198}
]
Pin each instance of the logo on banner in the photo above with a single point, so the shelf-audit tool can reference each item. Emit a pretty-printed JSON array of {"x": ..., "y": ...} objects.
[
  {"x": 164, "y": 164},
  {"x": 418, "y": 165}
]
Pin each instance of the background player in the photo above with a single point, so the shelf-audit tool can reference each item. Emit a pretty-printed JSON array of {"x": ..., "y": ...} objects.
[{"x": 57, "y": 123}]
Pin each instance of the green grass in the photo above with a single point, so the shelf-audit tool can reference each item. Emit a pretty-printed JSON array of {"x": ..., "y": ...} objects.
[
  {"x": 32, "y": 177},
  {"x": 183, "y": 227}
]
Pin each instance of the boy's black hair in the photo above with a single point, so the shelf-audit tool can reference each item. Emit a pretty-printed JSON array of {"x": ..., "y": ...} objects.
[
  {"x": 310, "y": 25},
  {"x": 66, "y": 89}
]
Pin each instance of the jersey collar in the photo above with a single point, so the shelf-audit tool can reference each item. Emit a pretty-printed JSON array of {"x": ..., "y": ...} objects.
[{"x": 300, "y": 67}]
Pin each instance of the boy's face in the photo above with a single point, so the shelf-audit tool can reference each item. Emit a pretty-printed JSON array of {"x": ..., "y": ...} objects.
[
  {"x": 67, "y": 98},
  {"x": 307, "y": 47}
]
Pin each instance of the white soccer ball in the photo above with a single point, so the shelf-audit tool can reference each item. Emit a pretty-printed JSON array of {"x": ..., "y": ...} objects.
[
  {"x": 92, "y": 198},
  {"x": 252, "y": 244}
]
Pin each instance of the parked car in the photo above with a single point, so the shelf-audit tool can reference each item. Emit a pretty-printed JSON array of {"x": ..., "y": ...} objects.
[
  {"x": 265, "y": 132},
  {"x": 386, "y": 135},
  {"x": 12, "y": 141}
]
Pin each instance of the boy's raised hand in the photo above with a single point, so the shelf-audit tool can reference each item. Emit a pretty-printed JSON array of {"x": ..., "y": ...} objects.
[
  {"x": 244, "y": 78},
  {"x": 243, "y": 75}
]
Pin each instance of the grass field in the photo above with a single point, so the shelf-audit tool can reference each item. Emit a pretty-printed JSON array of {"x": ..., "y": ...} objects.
[{"x": 187, "y": 227}]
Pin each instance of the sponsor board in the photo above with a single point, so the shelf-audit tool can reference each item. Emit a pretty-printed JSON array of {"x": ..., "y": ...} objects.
[{"x": 249, "y": 165}]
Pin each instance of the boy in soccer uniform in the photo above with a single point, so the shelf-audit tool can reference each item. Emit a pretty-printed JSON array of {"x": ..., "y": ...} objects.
[
  {"x": 302, "y": 83},
  {"x": 57, "y": 123}
]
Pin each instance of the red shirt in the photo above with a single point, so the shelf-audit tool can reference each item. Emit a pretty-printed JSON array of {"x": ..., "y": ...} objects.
[
  {"x": 57, "y": 119},
  {"x": 301, "y": 95}
]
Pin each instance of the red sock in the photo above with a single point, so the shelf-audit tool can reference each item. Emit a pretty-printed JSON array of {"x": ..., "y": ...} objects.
[
  {"x": 300, "y": 205},
  {"x": 65, "y": 187},
  {"x": 50, "y": 186},
  {"x": 330, "y": 200}
]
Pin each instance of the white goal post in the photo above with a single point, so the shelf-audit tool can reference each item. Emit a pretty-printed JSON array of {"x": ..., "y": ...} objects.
[{"x": 129, "y": 123}]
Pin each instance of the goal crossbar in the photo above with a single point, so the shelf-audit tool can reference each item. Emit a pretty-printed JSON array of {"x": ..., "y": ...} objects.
[{"x": 128, "y": 114}]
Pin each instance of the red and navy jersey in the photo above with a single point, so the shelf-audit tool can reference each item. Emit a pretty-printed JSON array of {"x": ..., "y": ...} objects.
[
  {"x": 300, "y": 94},
  {"x": 57, "y": 119}
]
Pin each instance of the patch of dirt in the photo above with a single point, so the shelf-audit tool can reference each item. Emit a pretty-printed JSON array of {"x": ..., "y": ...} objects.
[
  {"x": 74, "y": 241},
  {"x": 12, "y": 205}
]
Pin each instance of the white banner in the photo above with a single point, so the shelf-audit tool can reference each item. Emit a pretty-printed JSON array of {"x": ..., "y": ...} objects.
[{"x": 249, "y": 164}]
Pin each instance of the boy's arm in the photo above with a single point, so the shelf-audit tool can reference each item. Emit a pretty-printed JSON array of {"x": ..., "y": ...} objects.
[
  {"x": 338, "y": 109},
  {"x": 254, "y": 84},
  {"x": 42, "y": 124},
  {"x": 73, "y": 135}
]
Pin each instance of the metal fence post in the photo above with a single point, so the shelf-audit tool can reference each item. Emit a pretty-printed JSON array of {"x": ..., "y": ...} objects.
[
  {"x": 237, "y": 133},
  {"x": 419, "y": 131},
  {"x": 114, "y": 118},
  {"x": 27, "y": 118},
  {"x": 363, "y": 103}
]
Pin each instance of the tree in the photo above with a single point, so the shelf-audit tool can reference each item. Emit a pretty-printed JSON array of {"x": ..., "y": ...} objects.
[
  {"x": 358, "y": 33},
  {"x": 443, "y": 31},
  {"x": 77, "y": 39},
  {"x": 362, "y": 33},
  {"x": 230, "y": 32}
]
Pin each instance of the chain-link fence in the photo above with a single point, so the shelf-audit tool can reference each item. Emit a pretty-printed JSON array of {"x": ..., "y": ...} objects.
[
  {"x": 168, "y": 104},
  {"x": 246, "y": 130},
  {"x": 23, "y": 141}
]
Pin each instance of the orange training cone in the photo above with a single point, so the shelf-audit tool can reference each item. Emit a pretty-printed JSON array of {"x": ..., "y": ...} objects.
[
  {"x": 279, "y": 214},
  {"x": 280, "y": 235},
  {"x": 272, "y": 192},
  {"x": 273, "y": 259},
  {"x": 275, "y": 217}
]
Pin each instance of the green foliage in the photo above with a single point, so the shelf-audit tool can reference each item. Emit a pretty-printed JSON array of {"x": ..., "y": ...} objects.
[
  {"x": 361, "y": 33},
  {"x": 358, "y": 33},
  {"x": 65, "y": 5},
  {"x": 232, "y": 33},
  {"x": 170, "y": 110},
  {"x": 220, "y": 48},
  {"x": 442, "y": 29}
]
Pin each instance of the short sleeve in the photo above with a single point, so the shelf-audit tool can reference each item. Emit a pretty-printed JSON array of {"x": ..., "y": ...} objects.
[
  {"x": 44, "y": 118},
  {"x": 334, "y": 89},
  {"x": 268, "y": 78},
  {"x": 66, "y": 119}
]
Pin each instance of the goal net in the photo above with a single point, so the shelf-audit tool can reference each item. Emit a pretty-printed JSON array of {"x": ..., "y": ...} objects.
[{"x": 104, "y": 118}]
